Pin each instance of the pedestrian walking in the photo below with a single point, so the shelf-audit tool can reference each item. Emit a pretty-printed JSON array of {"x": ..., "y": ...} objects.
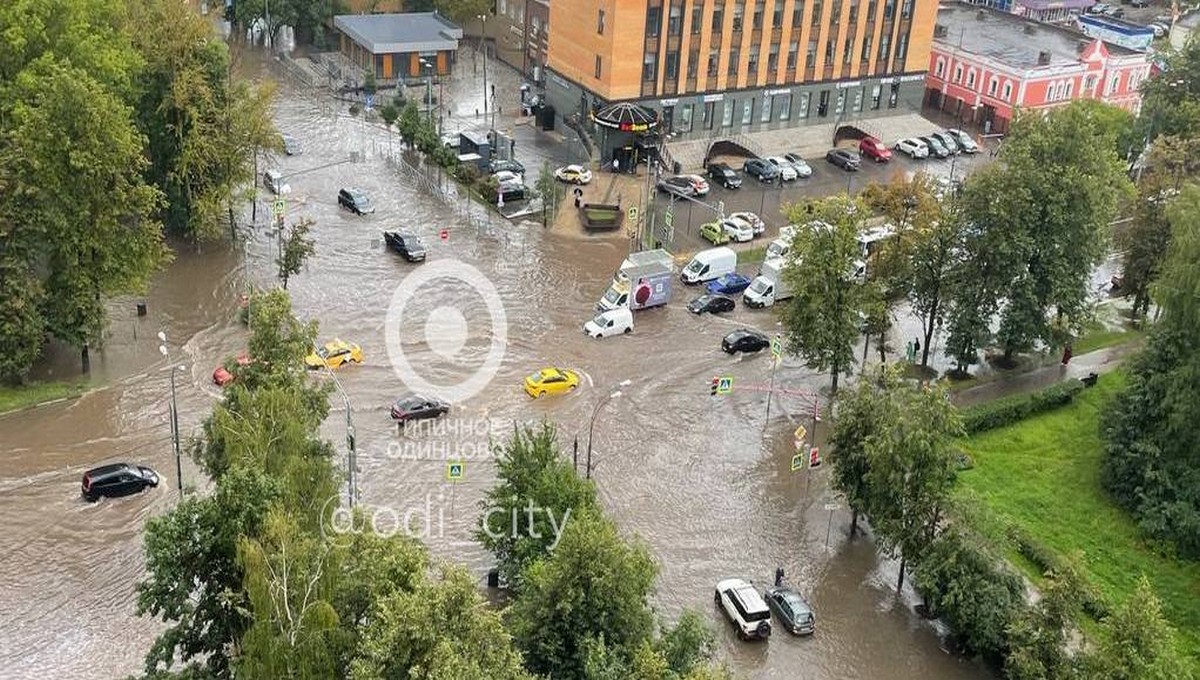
[
  {"x": 578, "y": 196},
  {"x": 916, "y": 348},
  {"x": 512, "y": 148},
  {"x": 1067, "y": 354},
  {"x": 616, "y": 165},
  {"x": 908, "y": 351},
  {"x": 778, "y": 576}
]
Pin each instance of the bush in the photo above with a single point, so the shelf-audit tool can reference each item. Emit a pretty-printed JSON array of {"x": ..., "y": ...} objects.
[
  {"x": 467, "y": 174},
  {"x": 1046, "y": 560},
  {"x": 1008, "y": 410}
]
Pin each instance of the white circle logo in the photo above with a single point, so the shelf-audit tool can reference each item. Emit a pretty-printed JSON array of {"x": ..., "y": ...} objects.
[{"x": 446, "y": 330}]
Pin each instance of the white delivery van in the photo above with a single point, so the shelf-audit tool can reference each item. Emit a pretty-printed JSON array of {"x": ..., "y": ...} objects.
[
  {"x": 611, "y": 322},
  {"x": 769, "y": 287},
  {"x": 709, "y": 264},
  {"x": 779, "y": 248}
]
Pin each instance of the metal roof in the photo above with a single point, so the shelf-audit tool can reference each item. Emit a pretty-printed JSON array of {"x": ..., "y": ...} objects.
[{"x": 392, "y": 33}]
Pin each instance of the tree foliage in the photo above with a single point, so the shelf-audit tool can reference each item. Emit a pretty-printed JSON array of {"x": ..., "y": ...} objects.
[
  {"x": 1151, "y": 429},
  {"x": 536, "y": 493},
  {"x": 1137, "y": 643},
  {"x": 295, "y": 249},
  {"x": 822, "y": 320},
  {"x": 1037, "y": 638},
  {"x": 1037, "y": 225}
]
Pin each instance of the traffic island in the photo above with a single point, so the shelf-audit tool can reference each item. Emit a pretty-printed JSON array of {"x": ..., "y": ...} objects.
[{"x": 601, "y": 216}]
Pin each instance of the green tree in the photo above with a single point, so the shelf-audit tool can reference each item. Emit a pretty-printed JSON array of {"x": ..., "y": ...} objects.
[
  {"x": 593, "y": 587},
  {"x": 966, "y": 585},
  {"x": 822, "y": 320},
  {"x": 1037, "y": 638},
  {"x": 295, "y": 249},
  {"x": 860, "y": 416},
  {"x": 21, "y": 324},
  {"x": 389, "y": 113},
  {"x": 1137, "y": 643},
  {"x": 935, "y": 253},
  {"x": 1150, "y": 429},
  {"x": 460, "y": 11},
  {"x": 1171, "y": 103},
  {"x": 536, "y": 495},
  {"x": 912, "y": 465},
  {"x": 549, "y": 190}
]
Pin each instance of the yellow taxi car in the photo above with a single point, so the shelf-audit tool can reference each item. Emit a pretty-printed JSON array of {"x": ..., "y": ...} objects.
[
  {"x": 551, "y": 381},
  {"x": 335, "y": 353}
]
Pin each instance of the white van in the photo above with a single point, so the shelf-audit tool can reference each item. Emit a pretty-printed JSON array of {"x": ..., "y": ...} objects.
[
  {"x": 273, "y": 180},
  {"x": 611, "y": 322},
  {"x": 709, "y": 264}
]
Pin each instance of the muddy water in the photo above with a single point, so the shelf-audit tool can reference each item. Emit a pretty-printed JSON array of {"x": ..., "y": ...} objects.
[{"x": 704, "y": 481}]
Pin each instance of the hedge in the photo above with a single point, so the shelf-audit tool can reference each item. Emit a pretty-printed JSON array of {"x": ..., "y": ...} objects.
[{"x": 1001, "y": 412}]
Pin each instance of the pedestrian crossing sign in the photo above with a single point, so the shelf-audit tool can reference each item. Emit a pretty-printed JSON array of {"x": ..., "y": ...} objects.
[
  {"x": 725, "y": 385},
  {"x": 278, "y": 207},
  {"x": 797, "y": 461},
  {"x": 455, "y": 471}
]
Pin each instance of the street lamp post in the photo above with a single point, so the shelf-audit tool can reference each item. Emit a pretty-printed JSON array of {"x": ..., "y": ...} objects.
[
  {"x": 483, "y": 45},
  {"x": 162, "y": 349},
  {"x": 429, "y": 89},
  {"x": 351, "y": 453},
  {"x": 592, "y": 425}
]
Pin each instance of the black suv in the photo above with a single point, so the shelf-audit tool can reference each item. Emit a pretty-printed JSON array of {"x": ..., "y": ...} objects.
[
  {"x": 408, "y": 245},
  {"x": 724, "y": 175},
  {"x": 355, "y": 201},
  {"x": 118, "y": 479}
]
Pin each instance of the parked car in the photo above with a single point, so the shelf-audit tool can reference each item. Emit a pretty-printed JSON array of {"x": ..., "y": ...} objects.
[
  {"x": 786, "y": 170},
  {"x": 550, "y": 381},
  {"x": 452, "y": 140},
  {"x": 914, "y": 147},
  {"x": 712, "y": 304},
  {"x": 714, "y": 233},
  {"x": 417, "y": 407},
  {"x": 1098, "y": 8},
  {"x": 870, "y": 147},
  {"x": 222, "y": 376},
  {"x": 680, "y": 186},
  {"x": 1139, "y": 3},
  {"x": 117, "y": 479},
  {"x": 510, "y": 185},
  {"x": 744, "y": 607},
  {"x": 728, "y": 284},
  {"x": 410, "y": 246},
  {"x": 334, "y": 353},
  {"x": 1114, "y": 12},
  {"x": 508, "y": 165},
  {"x": 936, "y": 148},
  {"x": 744, "y": 340},
  {"x": 803, "y": 169},
  {"x": 965, "y": 141},
  {"x": 724, "y": 175},
  {"x": 273, "y": 180},
  {"x": 355, "y": 201},
  {"x": 737, "y": 230},
  {"x": 699, "y": 184},
  {"x": 1159, "y": 29},
  {"x": 291, "y": 145},
  {"x": 844, "y": 159},
  {"x": 763, "y": 170},
  {"x": 792, "y": 609},
  {"x": 948, "y": 140},
  {"x": 573, "y": 174},
  {"x": 756, "y": 224}
]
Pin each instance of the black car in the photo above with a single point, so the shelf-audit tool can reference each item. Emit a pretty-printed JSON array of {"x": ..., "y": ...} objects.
[
  {"x": 408, "y": 245},
  {"x": 680, "y": 186},
  {"x": 713, "y": 304},
  {"x": 355, "y": 201},
  {"x": 763, "y": 170},
  {"x": 509, "y": 165},
  {"x": 844, "y": 159},
  {"x": 118, "y": 479},
  {"x": 417, "y": 407},
  {"x": 936, "y": 148},
  {"x": 791, "y": 608},
  {"x": 744, "y": 340},
  {"x": 291, "y": 146},
  {"x": 724, "y": 175}
]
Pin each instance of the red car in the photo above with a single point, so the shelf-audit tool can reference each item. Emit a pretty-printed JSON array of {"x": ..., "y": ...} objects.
[
  {"x": 873, "y": 148},
  {"x": 222, "y": 376}
]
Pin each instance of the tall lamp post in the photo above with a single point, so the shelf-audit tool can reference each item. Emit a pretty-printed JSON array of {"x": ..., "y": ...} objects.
[
  {"x": 162, "y": 349},
  {"x": 592, "y": 425},
  {"x": 351, "y": 454},
  {"x": 483, "y": 44},
  {"x": 425, "y": 64}
]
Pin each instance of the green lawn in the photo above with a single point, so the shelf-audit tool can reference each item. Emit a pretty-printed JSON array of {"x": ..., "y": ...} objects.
[
  {"x": 1043, "y": 475},
  {"x": 12, "y": 398},
  {"x": 1099, "y": 337}
]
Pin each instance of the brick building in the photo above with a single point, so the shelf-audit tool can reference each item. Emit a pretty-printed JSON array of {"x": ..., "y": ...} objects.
[
  {"x": 520, "y": 32},
  {"x": 722, "y": 67},
  {"x": 984, "y": 64}
]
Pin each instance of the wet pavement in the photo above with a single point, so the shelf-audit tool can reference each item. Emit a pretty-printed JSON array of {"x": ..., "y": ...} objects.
[{"x": 704, "y": 480}]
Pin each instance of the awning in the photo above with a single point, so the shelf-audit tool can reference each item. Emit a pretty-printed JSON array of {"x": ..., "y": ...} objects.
[{"x": 626, "y": 117}]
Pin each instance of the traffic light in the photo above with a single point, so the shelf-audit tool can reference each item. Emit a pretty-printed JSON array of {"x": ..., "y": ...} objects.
[{"x": 715, "y": 383}]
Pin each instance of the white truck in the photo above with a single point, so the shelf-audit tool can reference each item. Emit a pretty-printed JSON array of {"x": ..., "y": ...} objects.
[
  {"x": 769, "y": 286},
  {"x": 643, "y": 281}
]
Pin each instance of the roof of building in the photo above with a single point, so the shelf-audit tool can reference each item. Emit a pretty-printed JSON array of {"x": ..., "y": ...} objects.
[
  {"x": 1010, "y": 39},
  {"x": 408, "y": 32}
]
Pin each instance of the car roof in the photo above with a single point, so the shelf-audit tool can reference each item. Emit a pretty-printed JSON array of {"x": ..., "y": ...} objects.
[
  {"x": 110, "y": 469},
  {"x": 751, "y": 600}
]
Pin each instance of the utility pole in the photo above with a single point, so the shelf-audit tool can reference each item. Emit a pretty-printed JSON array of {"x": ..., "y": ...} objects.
[
  {"x": 162, "y": 349},
  {"x": 483, "y": 46}
]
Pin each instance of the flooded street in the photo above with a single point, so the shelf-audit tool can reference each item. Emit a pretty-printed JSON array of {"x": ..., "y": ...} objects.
[{"x": 704, "y": 480}]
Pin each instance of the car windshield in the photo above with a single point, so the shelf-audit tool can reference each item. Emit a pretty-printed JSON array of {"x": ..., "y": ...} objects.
[
  {"x": 362, "y": 200},
  {"x": 600, "y": 320},
  {"x": 535, "y": 377},
  {"x": 323, "y": 352},
  {"x": 760, "y": 285},
  {"x": 775, "y": 250},
  {"x": 695, "y": 266},
  {"x": 612, "y": 296},
  {"x": 704, "y": 300}
]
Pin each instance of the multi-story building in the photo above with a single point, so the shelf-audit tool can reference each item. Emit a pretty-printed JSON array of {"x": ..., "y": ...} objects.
[
  {"x": 520, "y": 31},
  {"x": 984, "y": 64},
  {"x": 723, "y": 67}
]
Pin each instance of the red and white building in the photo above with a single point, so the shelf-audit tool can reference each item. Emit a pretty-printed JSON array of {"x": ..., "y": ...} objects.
[{"x": 985, "y": 64}]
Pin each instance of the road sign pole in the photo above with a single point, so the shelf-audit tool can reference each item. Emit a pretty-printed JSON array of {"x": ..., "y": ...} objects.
[{"x": 770, "y": 393}]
